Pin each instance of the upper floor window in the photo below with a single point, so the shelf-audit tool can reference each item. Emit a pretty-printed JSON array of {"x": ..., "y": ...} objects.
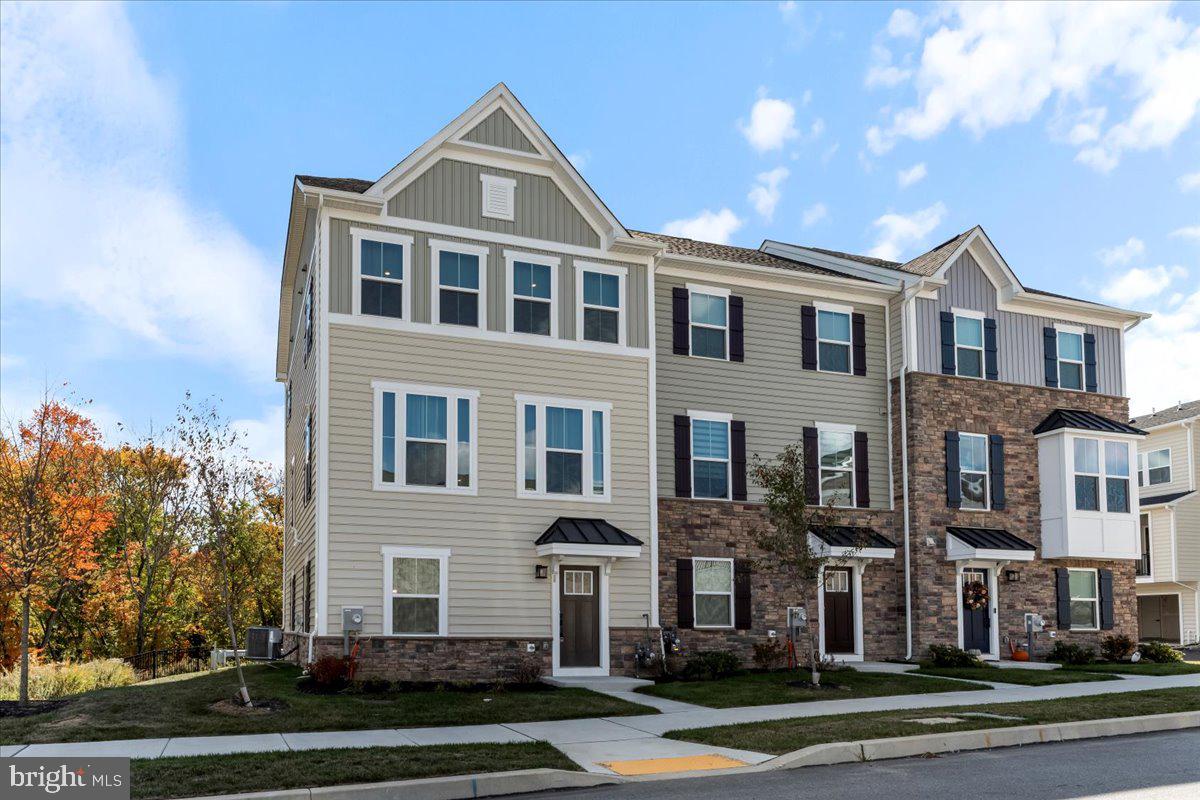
[
  {"x": 532, "y": 294},
  {"x": 712, "y": 592},
  {"x": 599, "y": 293},
  {"x": 381, "y": 261},
  {"x": 1154, "y": 467},
  {"x": 1070, "y": 359},
  {"x": 425, "y": 438},
  {"x": 968, "y": 345},
  {"x": 564, "y": 447},
  {"x": 415, "y": 589},
  {"x": 459, "y": 285},
  {"x": 708, "y": 319},
  {"x": 835, "y": 452},
  {"x": 833, "y": 338},
  {"x": 710, "y": 456},
  {"x": 1091, "y": 470},
  {"x": 973, "y": 470}
]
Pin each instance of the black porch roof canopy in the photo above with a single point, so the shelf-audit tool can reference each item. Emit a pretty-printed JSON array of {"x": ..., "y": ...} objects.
[
  {"x": 1077, "y": 420},
  {"x": 581, "y": 536},
  {"x": 986, "y": 544},
  {"x": 849, "y": 541}
]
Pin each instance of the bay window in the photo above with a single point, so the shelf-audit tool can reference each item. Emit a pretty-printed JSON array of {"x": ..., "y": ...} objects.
[
  {"x": 1093, "y": 472},
  {"x": 1116, "y": 477},
  {"x": 425, "y": 438},
  {"x": 563, "y": 448}
]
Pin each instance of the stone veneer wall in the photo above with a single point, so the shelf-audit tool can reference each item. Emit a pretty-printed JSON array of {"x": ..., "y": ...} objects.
[
  {"x": 449, "y": 659},
  {"x": 938, "y": 403},
  {"x": 690, "y": 528}
]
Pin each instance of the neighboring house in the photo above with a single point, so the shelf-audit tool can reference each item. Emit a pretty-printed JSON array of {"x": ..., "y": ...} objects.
[
  {"x": 1168, "y": 575},
  {"x": 517, "y": 429}
]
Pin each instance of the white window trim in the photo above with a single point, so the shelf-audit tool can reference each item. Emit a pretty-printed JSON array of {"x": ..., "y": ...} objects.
[
  {"x": 714, "y": 291},
  {"x": 849, "y": 343},
  {"x": 967, "y": 313},
  {"x": 452, "y": 395},
  {"x": 696, "y": 593},
  {"x": 510, "y": 258},
  {"x": 587, "y": 407},
  {"x": 1095, "y": 601},
  {"x": 605, "y": 269},
  {"x": 1149, "y": 549},
  {"x": 436, "y": 248},
  {"x": 712, "y": 416},
  {"x": 442, "y": 554},
  {"x": 510, "y": 186},
  {"x": 1060, "y": 328},
  {"x": 987, "y": 473},
  {"x": 1101, "y": 501},
  {"x": 856, "y": 566},
  {"x": 836, "y": 427},
  {"x": 1102, "y": 477},
  {"x": 1144, "y": 467},
  {"x": 357, "y": 236}
]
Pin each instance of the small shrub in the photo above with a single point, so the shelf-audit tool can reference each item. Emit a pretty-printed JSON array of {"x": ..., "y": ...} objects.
[
  {"x": 711, "y": 665},
  {"x": 768, "y": 654},
  {"x": 1159, "y": 653},
  {"x": 528, "y": 669},
  {"x": 1065, "y": 653},
  {"x": 1117, "y": 648},
  {"x": 949, "y": 656},
  {"x": 327, "y": 675},
  {"x": 50, "y": 681}
]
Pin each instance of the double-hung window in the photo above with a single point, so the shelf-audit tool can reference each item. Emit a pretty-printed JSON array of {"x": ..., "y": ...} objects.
[
  {"x": 1116, "y": 477},
  {"x": 710, "y": 455},
  {"x": 968, "y": 344},
  {"x": 563, "y": 448},
  {"x": 833, "y": 338},
  {"x": 1087, "y": 474},
  {"x": 1154, "y": 467},
  {"x": 459, "y": 283},
  {"x": 1093, "y": 469},
  {"x": 708, "y": 318},
  {"x": 382, "y": 263},
  {"x": 713, "y": 592},
  {"x": 973, "y": 470},
  {"x": 1070, "y": 359},
  {"x": 425, "y": 438},
  {"x": 835, "y": 451},
  {"x": 1085, "y": 599},
  {"x": 599, "y": 303},
  {"x": 532, "y": 293},
  {"x": 415, "y": 591}
]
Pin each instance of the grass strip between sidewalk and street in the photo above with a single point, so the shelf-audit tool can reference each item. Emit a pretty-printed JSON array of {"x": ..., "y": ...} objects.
[
  {"x": 786, "y": 735},
  {"x": 1015, "y": 675},
  {"x": 195, "y": 776},
  {"x": 1140, "y": 668}
]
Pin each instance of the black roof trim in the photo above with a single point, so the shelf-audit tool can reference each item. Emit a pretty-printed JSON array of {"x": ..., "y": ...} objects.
[
  {"x": 851, "y": 536},
  {"x": 356, "y": 185},
  {"x": 1163, "y": 499},
  {"x": 579, "y": 530},
  {"x": 989, "y": 539},
  {"x": 1077, "y": 419}
]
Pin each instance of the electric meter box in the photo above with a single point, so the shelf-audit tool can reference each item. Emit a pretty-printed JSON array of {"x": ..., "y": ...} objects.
[{"x": 352, "y": 619}]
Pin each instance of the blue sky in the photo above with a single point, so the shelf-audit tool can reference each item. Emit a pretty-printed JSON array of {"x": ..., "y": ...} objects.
[{"x": 148, "y": 152}]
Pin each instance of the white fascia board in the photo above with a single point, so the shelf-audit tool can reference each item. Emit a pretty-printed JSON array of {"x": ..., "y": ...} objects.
[
  {"x": 792, "y": 252},
  {"x": 597, "y": 550}
]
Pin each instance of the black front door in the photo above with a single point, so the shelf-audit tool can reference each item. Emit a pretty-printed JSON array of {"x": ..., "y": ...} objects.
[
  {"x": 976, "y": 622},
  {"x": 839, "y": 611},
  {"x": 579, "y": 617}
]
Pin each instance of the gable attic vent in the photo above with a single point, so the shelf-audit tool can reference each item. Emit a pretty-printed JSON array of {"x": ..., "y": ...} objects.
[{"x": 498, "y": 196}]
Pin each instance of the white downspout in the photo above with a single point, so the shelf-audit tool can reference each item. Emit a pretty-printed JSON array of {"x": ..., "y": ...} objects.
[{"x": 904, "y": 344}]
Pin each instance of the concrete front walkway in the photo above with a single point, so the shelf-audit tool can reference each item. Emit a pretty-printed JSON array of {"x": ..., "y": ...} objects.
[{"x": 593, "y": 742}]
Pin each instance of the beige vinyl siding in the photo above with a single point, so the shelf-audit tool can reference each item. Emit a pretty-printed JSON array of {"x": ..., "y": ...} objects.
[
  {"x": 492, "y": 590},
  {"x": 342, "y": 279},
  {"x": 1176, "y": 438},
  {"x": 1162, "y": 563},
  {"x": 1187, "y": 532},
  {"x": 770, "y": 391},
  {"x": 896, "y": 333},
  {"x": 498, "y": 130},
  {"x": 450, "y": 193}
]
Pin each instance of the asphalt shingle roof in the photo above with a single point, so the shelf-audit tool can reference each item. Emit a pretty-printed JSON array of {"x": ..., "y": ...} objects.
[
  {"x": 928, "y": 263},
  {"x": 356, "y": 185},
  {"x": 874, "y": 262},
  {"x": 1174, "y": 414},
  {"x": 678, "y": 245},
  {"x": 1076, "y": 419}
]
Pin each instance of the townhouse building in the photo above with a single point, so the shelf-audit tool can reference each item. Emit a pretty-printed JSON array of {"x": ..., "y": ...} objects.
[
  {"x": 518, "y": 430},
  {"x": 1168, "y": 573}
]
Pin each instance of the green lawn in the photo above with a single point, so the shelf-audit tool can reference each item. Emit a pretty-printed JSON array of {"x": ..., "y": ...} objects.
[
  {"x": 1024, "y": 677},
  {"x": 786, "y": 735},
  {"x": 258, "y": 772},
  {"x": 180, "y": 706},
  {"x": 768, "y": 688},
  {"x": 1140, "y": 668}
]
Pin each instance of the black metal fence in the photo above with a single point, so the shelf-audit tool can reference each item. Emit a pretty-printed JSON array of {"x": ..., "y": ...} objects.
[{"x": 170, "y": 661}]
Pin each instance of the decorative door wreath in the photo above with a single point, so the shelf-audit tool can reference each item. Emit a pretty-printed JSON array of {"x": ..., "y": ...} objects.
[{"x": 975, "y": 595}]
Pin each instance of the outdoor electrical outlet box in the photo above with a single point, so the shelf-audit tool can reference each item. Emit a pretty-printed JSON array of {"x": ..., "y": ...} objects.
[
  {"x": 352, "y": 619},
  {"x": 770, "y": 634},
  {"x": 530, "y": 647}
]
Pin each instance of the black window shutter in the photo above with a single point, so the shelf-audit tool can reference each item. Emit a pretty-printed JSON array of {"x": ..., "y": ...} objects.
[
  {"x": 742, "y": 573},
  {"x": 683, "y": 593},
  {"x": 996, "y": 474},
  {"x": 1106, "y": 599},
  {"x": 737, "y": 430},
  {"x": 812, "y": 469},
  {"x": 737, "y": 338},
  {"x": 679, "y": 321},
  {"x": 858, "y": 338},
  {"x": 991, "y": 364},
  {"x": 953, "y": 485},
  {"x": 862, "y": 475},
  {"x": 1089, "y": 362},
  {"x": 683, "y": 455},
  {"x": 947, "y": 343},
  {"x": 1062, "y": 581},
  {"x": 1050, "y": 353},
  {"x": 808, "y": 337}
]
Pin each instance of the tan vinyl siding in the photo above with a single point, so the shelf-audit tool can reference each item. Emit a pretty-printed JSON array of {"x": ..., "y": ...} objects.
[
  {"x": 896, "y": 333},
  {"x": 498, "y": 130},
  {"x": 1176, "y": 438},
  {"x": 1187, "y": 532},
  {"x": 1162, "y": 562},
  {"x": 770, "y": 391},
  {"x": 492, "y": 590},
  {"x": 450, "y": 193}
]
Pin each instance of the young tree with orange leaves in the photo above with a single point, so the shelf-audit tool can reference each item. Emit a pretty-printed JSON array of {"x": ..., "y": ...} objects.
[{"x": 52, "y": 507}]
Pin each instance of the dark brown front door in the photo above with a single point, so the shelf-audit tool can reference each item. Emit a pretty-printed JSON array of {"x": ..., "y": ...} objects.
[
  {"x": 839, "y": 611},
  {"x": 1158, "y": 617},
  {"x": 579, "y": 619}
]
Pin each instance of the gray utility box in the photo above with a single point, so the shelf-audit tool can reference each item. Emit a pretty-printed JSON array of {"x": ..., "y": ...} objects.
[
  {"x": 352, "y": 619},
  {"x": 263, "y": 643}
]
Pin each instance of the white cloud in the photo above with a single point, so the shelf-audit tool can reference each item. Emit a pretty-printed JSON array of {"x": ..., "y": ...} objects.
[
  {"x": 830, "y": 152},
  {"x": 1141, "y": 283},
  {"x": 9, "y": 361},
  {"x": 914, "y": 174},
  {"x": 1162, "y": 355},
  {"x": 1189, "y": 182},
  {"x": 766, "y": 193},
  {"x": 898, "y": 232},
  {"x": 815, "y": 213},
  {"x": 1187, "y": 232},
  {"x": 989, "y": 65},
  {"x": 1134, "y": 248},
  {"x": 580, "y": 159},
  {"x": 263, "y": 438},
  {"x": 90, "y": 135},
  {"x": 882, "y": 72},
  {"x": 772, "y": 123},
  {"x": 903, "y": 24},
  {"x": 707, "y": 226}
]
